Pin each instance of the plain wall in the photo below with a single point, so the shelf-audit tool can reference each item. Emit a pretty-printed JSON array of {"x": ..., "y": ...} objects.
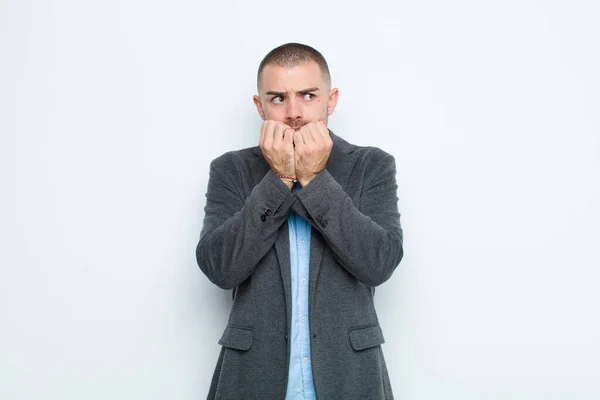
[{"x": 111, "y": 111}]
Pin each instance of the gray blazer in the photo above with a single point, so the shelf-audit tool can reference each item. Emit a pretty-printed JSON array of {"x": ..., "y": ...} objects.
[{"x": 356, "y": 243}]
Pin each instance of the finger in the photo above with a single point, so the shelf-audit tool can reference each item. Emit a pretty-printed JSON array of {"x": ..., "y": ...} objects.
[
  {"x": 268, "y": 139},
  {"x": 298, "y": 139},
  {"x": 278, "y": 134},
  {"x": 306, "y": 135},
  {"x": 320, "y": 134},
  {"x": 325, "y": 135},
  {"x": 288, "y": 136},
  {"x": 315, "y": 134},
  {"x": 322, "y": 128},
  {"x": 261, "y": 140}
]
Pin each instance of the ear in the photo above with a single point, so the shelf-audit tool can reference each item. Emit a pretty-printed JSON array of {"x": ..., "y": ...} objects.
[
  {"x": 259, "y": 107},
  {"x": 332, "y": 100}
]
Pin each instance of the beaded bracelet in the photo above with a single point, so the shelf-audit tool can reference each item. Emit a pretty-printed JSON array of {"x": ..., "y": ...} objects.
[{"x": 288, "y": 178}]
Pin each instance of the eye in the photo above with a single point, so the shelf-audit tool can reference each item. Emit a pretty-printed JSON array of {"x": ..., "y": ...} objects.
[
  {"x": 309, "y": 96},
  {"x": 277, "y": 99}
]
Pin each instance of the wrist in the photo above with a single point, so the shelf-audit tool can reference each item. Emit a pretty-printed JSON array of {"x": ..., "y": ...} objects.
[
  {"x": 305, "y": 180},
  {"x": 289, "y": 180}
]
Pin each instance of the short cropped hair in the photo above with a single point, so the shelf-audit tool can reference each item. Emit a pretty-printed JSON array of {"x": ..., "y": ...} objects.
[{"x": 293, "y": 54}]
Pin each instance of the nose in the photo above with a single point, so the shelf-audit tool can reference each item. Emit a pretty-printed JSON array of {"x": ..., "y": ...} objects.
[{"x": 294, "y": 110}]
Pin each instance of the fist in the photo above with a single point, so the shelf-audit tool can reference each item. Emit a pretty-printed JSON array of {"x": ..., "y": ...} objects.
[
  {"x": 277, "y": 145},
  {"x": 312, "y": 149}
]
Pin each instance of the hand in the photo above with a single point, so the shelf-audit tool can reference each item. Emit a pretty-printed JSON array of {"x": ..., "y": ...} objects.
[
  {"x": 277, "y": 145},
  {"x": 312, "y": 148}
]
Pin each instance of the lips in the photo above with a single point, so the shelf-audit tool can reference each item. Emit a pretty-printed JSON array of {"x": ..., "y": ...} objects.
[{"x": 296, "y": 124}]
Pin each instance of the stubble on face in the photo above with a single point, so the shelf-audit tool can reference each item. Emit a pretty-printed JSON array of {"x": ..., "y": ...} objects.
[
  {"x": 296, "y": 124},
  {"x": 293, "y": 82}
]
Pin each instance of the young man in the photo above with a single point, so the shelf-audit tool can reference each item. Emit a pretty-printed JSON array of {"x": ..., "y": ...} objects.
[{"x": 302, "y": 228}]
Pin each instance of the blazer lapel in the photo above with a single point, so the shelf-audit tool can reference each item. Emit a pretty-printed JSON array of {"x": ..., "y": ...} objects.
[
  {"x": 341, "y": 160},
  {"x": 340, "y": 165},
  {"x": 282, "y": 248},
  {"x": 259, "y": 169}
]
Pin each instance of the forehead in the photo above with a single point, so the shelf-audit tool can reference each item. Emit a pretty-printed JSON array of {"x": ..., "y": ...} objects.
[{"x": 286, "y": 79}]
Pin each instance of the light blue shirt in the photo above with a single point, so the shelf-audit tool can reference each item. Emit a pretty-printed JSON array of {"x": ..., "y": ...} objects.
[{"x": 300, "y": 378}]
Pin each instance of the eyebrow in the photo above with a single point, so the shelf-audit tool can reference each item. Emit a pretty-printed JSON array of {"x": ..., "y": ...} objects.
[{"x": 303, "y": 91}]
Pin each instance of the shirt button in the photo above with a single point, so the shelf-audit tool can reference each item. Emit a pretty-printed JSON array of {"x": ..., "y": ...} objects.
[
  {"x": 302, "y": 242},
  {"x": 303, "y": 319},
  {"x": 305, "y": 359},
  {"x": 303, "y": 280}
]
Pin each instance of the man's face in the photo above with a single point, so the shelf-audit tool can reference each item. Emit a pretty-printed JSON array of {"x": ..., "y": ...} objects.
[{"x": 295, "y": 96}]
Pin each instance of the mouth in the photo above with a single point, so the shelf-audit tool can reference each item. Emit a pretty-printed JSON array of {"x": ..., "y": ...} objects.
[{"x": 295, "y": 125}]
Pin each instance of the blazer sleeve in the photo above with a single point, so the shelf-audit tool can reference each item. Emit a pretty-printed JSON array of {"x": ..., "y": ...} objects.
[
  {"x": 237, "y": 232},
  {"x": 367, "y": 241}
]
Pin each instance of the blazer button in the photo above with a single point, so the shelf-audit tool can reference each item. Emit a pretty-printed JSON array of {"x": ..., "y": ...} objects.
[
  {"x": 268, "y": 212},
  {"x": 263, "y": 217}
]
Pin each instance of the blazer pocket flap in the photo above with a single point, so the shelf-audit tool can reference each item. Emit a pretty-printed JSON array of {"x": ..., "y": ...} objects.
[
  {"x": 363, "y": 338},
  {"x": 237, "y": 338}
]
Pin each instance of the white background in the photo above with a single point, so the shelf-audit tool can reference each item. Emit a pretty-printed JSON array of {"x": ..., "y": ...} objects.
[{"x": 110, "y": 112}]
